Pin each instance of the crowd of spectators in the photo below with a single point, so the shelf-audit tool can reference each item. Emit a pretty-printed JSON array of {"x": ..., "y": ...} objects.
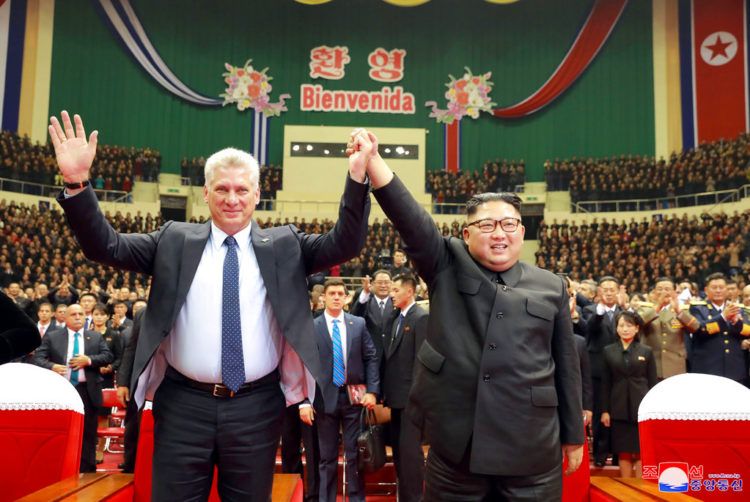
[
  {"x": 270, "y": 177},
  {"x": 451, "y": 190},
  {"x": 720, "y": 165},
  {"x": 37, "y": 246},
  {"x": 637, "y": 252},
  {"x": 115, "y": 167}
]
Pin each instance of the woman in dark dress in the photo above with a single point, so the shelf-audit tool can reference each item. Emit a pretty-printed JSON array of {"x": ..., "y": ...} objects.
[
  {"x": 629, "y": 372},
  {"x": 114, "y": 341}
]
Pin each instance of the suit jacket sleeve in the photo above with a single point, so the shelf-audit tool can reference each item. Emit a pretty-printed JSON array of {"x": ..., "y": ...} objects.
[
  {"x": 420, "y": 333},
  {"x": 100, "y": 242},
  {"x": 128, "y": 356},
  {"x": 347, "y": 238},
  {"x": 567, "y": 373},
  {"x": 606, "y": 383},
  {"x": 42, "y": 354},
  {"x": 587, "y": 396},
  {"x": 423, "y": 242},
  {"x": 372, "y": 363}
]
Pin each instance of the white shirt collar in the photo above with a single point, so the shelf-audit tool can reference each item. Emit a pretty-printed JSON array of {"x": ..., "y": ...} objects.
[
  {"x": 218, "y": 236},
  {"x": 330, "y": 318},
  {"x": 405, "y": 310}
]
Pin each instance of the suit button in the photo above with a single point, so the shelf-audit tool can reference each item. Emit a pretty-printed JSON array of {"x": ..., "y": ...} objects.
[
  {"x": 663, "y": 350},
  {"x": 499, "y": 315},
  {"x": 486, "y": 377},
  {"x": 493, "y": 346},
  {"x": 663, "y": 342}
]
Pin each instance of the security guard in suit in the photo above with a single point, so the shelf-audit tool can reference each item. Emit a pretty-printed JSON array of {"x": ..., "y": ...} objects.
[
  {"x": 716, "y": 345},
  {"x": 667, "y": 327}
]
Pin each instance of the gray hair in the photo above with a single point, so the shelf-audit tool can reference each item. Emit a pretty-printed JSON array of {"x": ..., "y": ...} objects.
[{"x": 231, "y": 157}]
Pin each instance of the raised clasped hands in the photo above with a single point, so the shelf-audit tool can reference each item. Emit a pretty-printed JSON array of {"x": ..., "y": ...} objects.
[
  {"x": 74, "y": 153},
  {"x": 361, "y": 147}
]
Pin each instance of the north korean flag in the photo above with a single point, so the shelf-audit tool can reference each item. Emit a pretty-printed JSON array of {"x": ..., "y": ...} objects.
[{"x": 713, "y": 50}]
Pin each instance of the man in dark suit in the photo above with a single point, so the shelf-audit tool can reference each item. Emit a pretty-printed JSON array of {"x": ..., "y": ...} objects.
[
  {"x": 497, "y": 390},
  {"x": 600, "y": 332},
  {"x": 373, "y": 302},
  {"x": 228, "y": 317},
  {"x": 348, "y": 357},
  {"x": 406, "y": 331},
  {"x": 124, "y": 376},
  {"x": 77, "y": 355}
]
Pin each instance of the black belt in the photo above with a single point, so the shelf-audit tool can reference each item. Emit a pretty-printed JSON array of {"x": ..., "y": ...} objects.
[{"x": 218, "y": 389}]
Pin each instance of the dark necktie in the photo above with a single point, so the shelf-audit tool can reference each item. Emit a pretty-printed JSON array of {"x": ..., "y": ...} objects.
[
  {"x": 76, "y": 350},
  {"x": 397, "y": 331},
  {"x": 232, "y": 358},
  {"x": 339, "y": 376}
]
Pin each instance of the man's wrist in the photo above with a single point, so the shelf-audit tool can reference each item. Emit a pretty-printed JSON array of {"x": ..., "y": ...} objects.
[{"x": 76, "y": 183}]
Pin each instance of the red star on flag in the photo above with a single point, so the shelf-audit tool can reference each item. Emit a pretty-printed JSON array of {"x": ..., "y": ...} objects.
[{"x": 719, "y": 48}]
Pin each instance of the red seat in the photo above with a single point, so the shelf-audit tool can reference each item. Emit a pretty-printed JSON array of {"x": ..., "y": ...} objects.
[{"x": 115, "y": 431}]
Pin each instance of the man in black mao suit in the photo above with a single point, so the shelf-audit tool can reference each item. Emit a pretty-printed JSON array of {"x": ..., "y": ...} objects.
[
  {"x": 358, "y": 365},
  {"x": 206, "y": 414},
  {"x": 497, "y": 390},
  {"x": 600, "y": 332},
  {"x": 373, "y": 302},
  {"x": 406, "y": 331},
  {"x": 57, "y": 353}
]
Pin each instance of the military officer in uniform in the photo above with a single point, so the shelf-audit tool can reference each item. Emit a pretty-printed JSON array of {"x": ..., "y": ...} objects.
[
  {"x": 716, "y": 345},
  {"x": 667, "y": 326}
]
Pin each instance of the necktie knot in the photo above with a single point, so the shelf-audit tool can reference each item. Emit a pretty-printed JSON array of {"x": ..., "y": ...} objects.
[{"x": 230, "y": 242}]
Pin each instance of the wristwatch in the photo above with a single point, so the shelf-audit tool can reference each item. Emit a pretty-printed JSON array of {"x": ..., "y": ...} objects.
[{"x": 79, "y": 184}]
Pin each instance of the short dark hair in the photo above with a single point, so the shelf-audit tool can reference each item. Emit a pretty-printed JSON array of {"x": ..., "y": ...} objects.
[
  {"x": 664, "y": 279},
  {"x": 88, "y": 293},
  {"x": 731, "y": 281},
  {"x": 381, "y": 271},
  {"x": 472, "y": 205},
  {"x": 407, "y": 279},
  {"x": 608, "y": 278},
  {"x": 631, "y": 317},
  {"x": 716, "y": 276},
  {"x": 43, "y": 304},
  {"x": 100, "y": 307},
  {"x": 333, "y": 281}
]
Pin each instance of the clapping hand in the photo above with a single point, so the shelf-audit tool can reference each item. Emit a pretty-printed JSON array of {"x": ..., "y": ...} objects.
[{"x": 74, "y": 154}]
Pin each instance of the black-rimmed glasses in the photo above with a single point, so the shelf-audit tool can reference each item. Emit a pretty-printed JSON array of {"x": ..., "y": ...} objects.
[{"x": 488, "y": 225}]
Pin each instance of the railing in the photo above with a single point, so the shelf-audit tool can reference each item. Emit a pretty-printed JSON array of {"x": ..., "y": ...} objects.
[
  {"x": 697, "y": 199},
  {"x": 29, "y": 188}
]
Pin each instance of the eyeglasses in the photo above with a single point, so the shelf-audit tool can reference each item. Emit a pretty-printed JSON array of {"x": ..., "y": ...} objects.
[{"x": 488, "y": 225}]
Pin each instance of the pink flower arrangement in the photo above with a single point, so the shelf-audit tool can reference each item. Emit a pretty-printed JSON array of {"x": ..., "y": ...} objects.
[
  {"x": 249, "y": 88},
  {"x": 468, "y": 95}
]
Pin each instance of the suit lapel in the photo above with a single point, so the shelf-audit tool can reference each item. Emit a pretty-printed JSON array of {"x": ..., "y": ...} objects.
[
  {"x": 394, "y": 339},
  {"x": 321, "y": 331},
  {"x": 263, "y": 247},
  {"x": 192, "y": 250},
  {"x": 349, "y": 334}
]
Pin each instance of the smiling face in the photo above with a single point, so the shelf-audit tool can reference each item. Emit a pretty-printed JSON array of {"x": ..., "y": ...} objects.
[
  {"x": 498, "y": 250},
  {"x": 231, "y": 198}
]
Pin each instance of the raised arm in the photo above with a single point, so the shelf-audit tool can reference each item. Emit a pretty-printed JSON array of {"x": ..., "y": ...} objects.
[
  {"x": 75, "y": 155},
  {"x": 424, "y": 244}
]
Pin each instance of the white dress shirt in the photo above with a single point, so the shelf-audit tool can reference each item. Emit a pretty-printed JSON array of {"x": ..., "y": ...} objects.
[
  {"x": 81, "y": 343},
  {"x": 364, "y": 297},
  {"x": 193, "y": 346},
  {"x": 43, "y": 328}
]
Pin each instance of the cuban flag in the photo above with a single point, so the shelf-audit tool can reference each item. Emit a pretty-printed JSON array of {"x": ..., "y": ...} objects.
[
  {"x": 12, "y": 33},
  {"x": 714, "y": 65}
]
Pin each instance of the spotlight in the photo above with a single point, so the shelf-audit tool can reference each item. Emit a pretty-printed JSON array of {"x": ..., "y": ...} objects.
[
  {"x": 387, "y": 150},
  {"x": 295, "y": 148},
  {"x": 400, "y": 150},
  {"x": 309, "y": 148}
]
